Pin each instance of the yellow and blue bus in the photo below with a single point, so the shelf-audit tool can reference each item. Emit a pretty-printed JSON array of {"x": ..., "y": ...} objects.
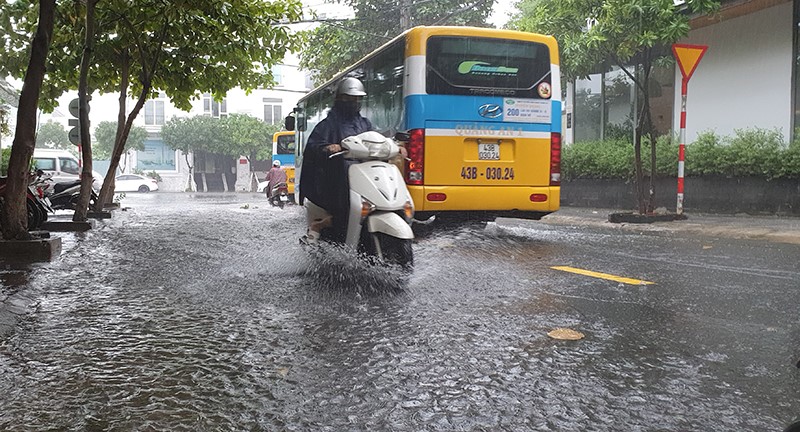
[
  {"x": 482, "y": 107},
  {"x": 283, "y": 150}
]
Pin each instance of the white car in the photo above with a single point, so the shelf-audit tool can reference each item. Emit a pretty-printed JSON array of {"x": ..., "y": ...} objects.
[{"x": 134, "y": 183}]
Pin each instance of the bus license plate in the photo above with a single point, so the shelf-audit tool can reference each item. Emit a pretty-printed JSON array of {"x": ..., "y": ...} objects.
[{"x": 488, "y": 151}]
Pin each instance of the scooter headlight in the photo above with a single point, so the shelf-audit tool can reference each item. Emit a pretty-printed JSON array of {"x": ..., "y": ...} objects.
[
  {"x": 408, "y": 211},
  {"x": 366, "y": 208}
]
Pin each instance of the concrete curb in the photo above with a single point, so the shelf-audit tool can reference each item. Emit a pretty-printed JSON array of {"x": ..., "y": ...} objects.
[
  {"x": 772, "y": 229},
  {"x": 27, "y": 251}
]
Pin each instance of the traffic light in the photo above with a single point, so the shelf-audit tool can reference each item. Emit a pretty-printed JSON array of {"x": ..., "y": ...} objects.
[{"x": 75, "y": 132}]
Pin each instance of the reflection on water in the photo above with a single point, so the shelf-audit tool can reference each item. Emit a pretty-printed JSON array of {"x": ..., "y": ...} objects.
[{"x": 192, "y": 312}]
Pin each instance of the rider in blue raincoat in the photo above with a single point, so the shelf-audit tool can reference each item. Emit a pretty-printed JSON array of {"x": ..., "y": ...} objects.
[{"x": 323, "y": 181}]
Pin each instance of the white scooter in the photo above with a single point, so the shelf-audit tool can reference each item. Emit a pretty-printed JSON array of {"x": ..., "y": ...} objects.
[{"x": 381, "y": 208}]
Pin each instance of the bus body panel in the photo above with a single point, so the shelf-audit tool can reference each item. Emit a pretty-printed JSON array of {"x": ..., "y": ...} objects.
[
  {"x": 456, "y": 176},
  {"x": 460, "y": 178},
  {"x": 464, "y": 110},
  {"x": 458, "y": 162},
  {"x": 485, "y": 198}
]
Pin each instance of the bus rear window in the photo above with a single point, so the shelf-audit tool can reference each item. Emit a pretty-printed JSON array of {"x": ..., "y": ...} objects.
[
  {"x": 461, "y": 65},
  {"x": 285, "y": 144}
]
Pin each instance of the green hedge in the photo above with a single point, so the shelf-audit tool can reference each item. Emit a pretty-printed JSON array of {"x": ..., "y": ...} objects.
[
  {"x": 5, "y": 155},
  {"x": 750, "y": 152}
]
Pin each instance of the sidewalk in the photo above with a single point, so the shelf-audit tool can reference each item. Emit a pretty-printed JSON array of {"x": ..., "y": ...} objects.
[{"x": 770, "y": 228}]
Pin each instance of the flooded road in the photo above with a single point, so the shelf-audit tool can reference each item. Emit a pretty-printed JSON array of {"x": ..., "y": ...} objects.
[{"x": 201, "y": 312}]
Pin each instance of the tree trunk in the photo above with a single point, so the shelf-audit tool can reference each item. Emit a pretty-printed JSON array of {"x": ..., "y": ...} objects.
[
  {"x": 190, "y": 184},
  {"x": 637, "y": 163},
  {"x": 14, "y": 215},
  {"x": 146, "y": 80},
  {"x": 107, "y": 193},
  {"x": 644, "y": 126},
  {"x": 109, "y": 183},
  {"x": 82, "y": 206},
  {"x": 253, "y": 177},
  {"x": 647, "y": 120}
]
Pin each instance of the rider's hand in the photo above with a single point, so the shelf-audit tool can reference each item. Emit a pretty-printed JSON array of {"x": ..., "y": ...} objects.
[
  {"x": 403, "y": 152},
  {"x": 333, "y": 148}
]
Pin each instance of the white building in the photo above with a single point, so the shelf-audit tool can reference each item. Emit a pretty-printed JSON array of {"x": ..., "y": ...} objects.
[{"x": 747, "y": 78}]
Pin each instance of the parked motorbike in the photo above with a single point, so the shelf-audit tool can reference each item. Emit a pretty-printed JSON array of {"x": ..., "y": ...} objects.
[
  {"x": 37, "y": 204},
  {"x": 279, "y": 196},
  {"x": 381, "y": 208},
  {"x": 64, "y": 195}
]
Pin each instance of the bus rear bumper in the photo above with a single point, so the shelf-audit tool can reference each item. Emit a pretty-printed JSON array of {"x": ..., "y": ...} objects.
[{"x": 514, "y": 200}]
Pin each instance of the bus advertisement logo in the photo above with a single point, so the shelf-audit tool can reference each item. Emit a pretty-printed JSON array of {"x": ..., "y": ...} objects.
[
  {"x": 490, "y": 111},
  {"x": 483, "y": 68}
]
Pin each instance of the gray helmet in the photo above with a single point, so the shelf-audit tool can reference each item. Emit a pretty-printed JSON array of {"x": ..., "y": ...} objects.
[{"x": 350, "y": 86}]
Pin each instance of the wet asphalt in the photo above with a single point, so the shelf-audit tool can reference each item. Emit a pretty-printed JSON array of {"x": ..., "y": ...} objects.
[{"x": 202, "y": 312}]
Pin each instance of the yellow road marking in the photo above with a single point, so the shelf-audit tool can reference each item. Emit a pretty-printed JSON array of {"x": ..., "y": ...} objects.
[{"x": 602, "y": 275}]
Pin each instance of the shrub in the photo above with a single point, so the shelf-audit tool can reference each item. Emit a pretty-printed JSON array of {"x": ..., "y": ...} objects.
[
  {"x": 666, "y": 156},
  {"x": 750, "y": 152},
  {"x": 154, "y": 175},
  {"x": 790, "y": 161},
  {"x": 5, "y": 155},
  {"x": 705, "y": 155},
  {"x": 614, "y": 159},
  {"x": 755, "y": 152},
  {"x": 597, "y": 159}
]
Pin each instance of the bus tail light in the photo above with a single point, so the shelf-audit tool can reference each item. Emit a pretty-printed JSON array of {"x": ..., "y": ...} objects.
[
  {"x": 555, "y": 159},
  {"x": 416, "y": 157}
]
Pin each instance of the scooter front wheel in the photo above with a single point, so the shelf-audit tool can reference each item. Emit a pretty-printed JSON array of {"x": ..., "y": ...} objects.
[{"x": 393, "y": 250}]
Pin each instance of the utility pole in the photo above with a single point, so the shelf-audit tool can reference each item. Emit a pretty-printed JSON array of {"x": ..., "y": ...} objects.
[{"x": 405, "y": 14}]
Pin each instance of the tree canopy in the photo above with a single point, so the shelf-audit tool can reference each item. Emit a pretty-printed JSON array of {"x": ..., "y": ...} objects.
[
  {"x": 337, "y": 44},
  {"x": 248, "y": 136},
  {"x": 189, "y": 134},
  {"x": 53, "y": 135},
  {"x": 183, "y": 48},
  {"x": 596, "y": 33},
  {"x": 235, "y": 135},
  {"x": 105, "y": 136}
]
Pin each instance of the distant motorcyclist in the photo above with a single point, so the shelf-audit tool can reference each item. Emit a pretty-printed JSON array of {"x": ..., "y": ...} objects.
[
  {"x": 275, "y": 175},
  {"x": 323, "y": 181}
]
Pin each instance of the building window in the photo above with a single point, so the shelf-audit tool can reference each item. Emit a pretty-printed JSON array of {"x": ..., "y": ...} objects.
[
  {"x": 277, "y": 75},
  {"x": 156, "y": 156},
  {"x": 213, "y": 108},
  {"x": 618, "y": 105},
  {"x": 588, "y": 110},
  {"x": 154, "y": 113},
  {"x": 272, "y": 111},
  {"x": 606, "y": 105}
]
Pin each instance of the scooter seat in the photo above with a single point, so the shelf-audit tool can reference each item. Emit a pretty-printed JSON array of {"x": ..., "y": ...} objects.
[{"x": 61, "y": 187}]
